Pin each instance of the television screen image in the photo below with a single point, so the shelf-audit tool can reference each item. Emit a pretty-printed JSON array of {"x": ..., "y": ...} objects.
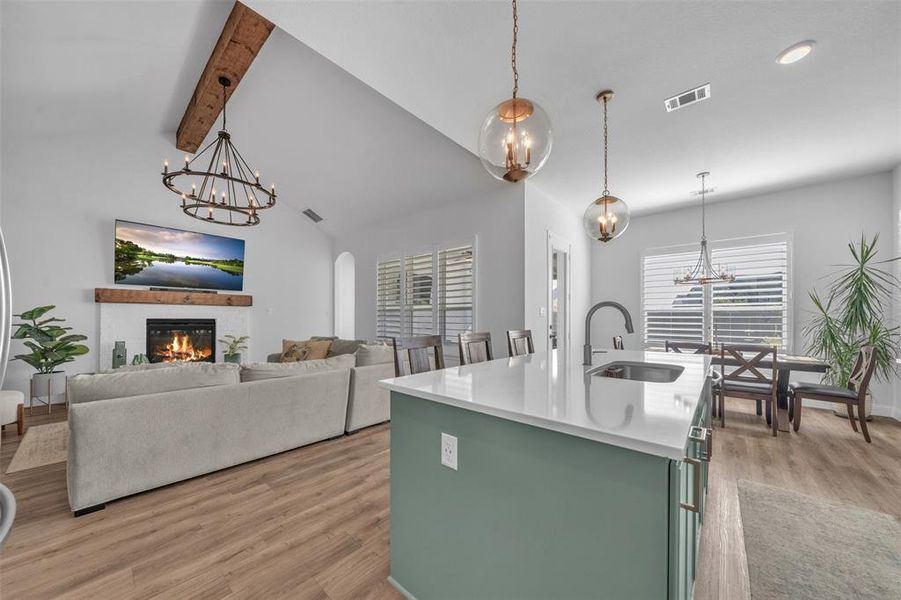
[{"x": 165, "y": 257}]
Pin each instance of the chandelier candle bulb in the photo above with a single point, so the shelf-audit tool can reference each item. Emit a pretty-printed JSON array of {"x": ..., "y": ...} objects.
[
  {"x": 165, "y": 165},
  {"x": 187, "y": 163},
  {"x": 257, "y": 175}
]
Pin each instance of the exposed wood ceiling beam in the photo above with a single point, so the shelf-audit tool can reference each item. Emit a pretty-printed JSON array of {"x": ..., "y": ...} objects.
[{"x": 243, "y": 35}]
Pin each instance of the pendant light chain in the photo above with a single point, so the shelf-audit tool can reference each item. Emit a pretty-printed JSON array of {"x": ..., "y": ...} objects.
[
  {"x": 704, "y": 207},
  {"x": 513, "y": 50},
  {"x": 606, "y": 191},
  {"x": 224, "y": 102}
]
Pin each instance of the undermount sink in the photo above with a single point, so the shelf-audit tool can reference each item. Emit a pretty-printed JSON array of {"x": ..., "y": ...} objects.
[{"x": 638, "y": 371}]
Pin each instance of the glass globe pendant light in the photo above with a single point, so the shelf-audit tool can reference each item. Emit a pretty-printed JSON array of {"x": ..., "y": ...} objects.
[
  {"x": 516, "y": 138},
  {"x": 607, "y": 217}
]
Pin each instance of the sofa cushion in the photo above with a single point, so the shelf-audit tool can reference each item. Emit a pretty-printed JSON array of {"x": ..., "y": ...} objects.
[
  {"x": 308, "y": 350},
  {"x": 146, "y": 367},
  {"x": 267, "y": 370},
  {"x": 124, "y": 384},
  {"x": 371, "y": 354},
  {"x": 340, "y": 346}
]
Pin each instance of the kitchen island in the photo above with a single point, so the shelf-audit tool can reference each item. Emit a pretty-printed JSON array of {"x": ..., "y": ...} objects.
[{"x": 568, "y": 483}]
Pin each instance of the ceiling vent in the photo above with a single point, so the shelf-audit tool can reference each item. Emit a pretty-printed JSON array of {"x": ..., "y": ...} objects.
[
  {"x": 311, "y": 215},
  {"x": 685, "y": 98}
]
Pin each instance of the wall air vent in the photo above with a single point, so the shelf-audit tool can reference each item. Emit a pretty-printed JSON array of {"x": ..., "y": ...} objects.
[
  {"x": 685, "y": 98},
  {"x": 311, "y": 214}
]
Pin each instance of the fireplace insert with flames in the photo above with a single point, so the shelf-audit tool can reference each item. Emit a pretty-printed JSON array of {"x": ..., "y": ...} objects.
[{"x": 181, "y": 340}]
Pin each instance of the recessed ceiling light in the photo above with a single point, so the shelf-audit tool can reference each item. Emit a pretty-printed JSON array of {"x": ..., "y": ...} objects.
[{"x": 795, "y": 52}]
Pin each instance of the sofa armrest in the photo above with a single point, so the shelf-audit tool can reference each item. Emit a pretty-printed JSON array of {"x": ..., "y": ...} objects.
[{"x": 369, "y": 403}]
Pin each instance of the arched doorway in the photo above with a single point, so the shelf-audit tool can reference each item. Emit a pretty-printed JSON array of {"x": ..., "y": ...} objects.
[{"x": 345, "y": 295}]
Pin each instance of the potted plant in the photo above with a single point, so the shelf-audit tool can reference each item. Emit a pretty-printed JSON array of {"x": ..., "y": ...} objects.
[
  {"x": 51, "y": 345},
  {"x": 234, "y": 345},
  {"x": 853, "y": 314}
]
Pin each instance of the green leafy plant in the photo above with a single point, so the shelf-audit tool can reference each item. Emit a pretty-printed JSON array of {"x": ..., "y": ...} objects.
[
  {"x": 51, "y": 344},
  {"x": 854, "y": 314},
  {"x": 235, "y": 344}
]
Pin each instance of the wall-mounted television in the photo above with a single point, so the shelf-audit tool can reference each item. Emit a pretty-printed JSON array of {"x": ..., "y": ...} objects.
[{"x": 165, "y": 257}]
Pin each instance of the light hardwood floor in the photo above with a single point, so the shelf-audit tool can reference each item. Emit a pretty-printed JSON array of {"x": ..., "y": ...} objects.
[{"x": 313, "y": 522}]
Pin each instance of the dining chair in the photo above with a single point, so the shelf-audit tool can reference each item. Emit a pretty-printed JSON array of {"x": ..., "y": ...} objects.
[
  {"x": 519, "y": 342},
  {"x": 854, "y": 393},
  {"x": 618, "y": 343},
  {"x": 475, "y": 347},
  {"x": 747, "y": 380},
  {"x": 417, "y": 353},
  {"x": 687, "y": 347}
]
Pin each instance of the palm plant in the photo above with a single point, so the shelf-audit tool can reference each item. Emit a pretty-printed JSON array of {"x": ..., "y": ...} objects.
[{"x": 854, "y": 314}]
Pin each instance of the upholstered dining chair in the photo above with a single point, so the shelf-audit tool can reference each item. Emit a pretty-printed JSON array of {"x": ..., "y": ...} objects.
[
  {"x": 475, "y": 347},
  {"x": 519, "y": 342},
  {"x": 854, "y": 394},
  {"x": 747, "y": 380},
  {"x": 417, "y": 350},
  {"x": 7, "y": 512},
  {"x": 12, "y": 409}
]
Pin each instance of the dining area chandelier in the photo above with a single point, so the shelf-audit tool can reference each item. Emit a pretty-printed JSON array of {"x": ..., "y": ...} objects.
[
  {"x": 223, "y": 188},
  {"x": 704, "y": 271}
]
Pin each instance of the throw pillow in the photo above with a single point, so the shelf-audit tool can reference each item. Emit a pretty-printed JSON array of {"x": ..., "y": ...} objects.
[
  {"x": 340, "y": 346},
  {"x": 295, "y": 353},
  {"x": 371, "y": 354},
  {"x": 317, "y": 349}
]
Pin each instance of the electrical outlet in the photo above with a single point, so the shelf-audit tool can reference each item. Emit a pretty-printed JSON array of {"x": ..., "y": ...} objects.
[{"x": 449, "y": 451}]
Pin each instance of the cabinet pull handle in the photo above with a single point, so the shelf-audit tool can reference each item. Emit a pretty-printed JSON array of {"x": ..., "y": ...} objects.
[
  {"x": 696, "y": 496},
  {"x": 703, "y": 435}
]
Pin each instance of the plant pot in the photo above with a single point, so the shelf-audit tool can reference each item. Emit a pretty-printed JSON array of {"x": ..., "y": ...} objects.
[
  {"x": 232, "y": 358},
  {"x": 842, "y": 411},
  {"x": 56, "y": 382}
]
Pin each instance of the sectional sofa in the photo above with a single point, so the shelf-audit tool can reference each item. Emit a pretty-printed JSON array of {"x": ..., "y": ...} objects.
[{"x": 133, "y": 430}]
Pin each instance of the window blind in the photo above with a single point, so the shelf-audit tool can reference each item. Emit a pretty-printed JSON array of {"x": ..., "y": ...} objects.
[
  {"x": 455, "y": 292},
  {"x": 754, "y": 308},
  {"x": 670, "y": 311},
  {"x": 388, "y": 299},
  {"x": 427, "y": 293},
  {"x": 418, "y": 308}
]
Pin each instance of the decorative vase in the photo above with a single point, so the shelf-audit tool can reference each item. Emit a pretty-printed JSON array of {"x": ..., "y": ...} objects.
[
  {"x": 140, "y": 359},
  {"x": 232, "y": 358},
  {"x": 48, "y": 385},
  {"x": 842, "y": 411},
  {"x": 119, "y": 355}
]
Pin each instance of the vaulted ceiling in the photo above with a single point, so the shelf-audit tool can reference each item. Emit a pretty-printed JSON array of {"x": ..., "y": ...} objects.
[{"x": 766, "y": 126}]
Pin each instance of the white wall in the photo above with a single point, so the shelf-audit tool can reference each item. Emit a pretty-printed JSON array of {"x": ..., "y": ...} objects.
[
  {"x": 488, "y": 210},
  {"x": 821, "y": 219},
  {"x": 345, "y": 296},
  {"x": 545, "y": 215},
  {"x": 896, "y": 247}
]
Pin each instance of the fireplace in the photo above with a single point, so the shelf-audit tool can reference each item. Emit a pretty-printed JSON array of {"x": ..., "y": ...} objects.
[{"x": 181, "y": 340}]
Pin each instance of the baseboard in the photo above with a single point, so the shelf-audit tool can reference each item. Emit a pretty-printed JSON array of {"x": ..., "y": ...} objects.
[{"x": 403, "y": 591}]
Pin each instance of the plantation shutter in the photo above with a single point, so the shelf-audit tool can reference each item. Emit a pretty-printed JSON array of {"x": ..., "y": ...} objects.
[
  {"x": 455, "y": 292},
  {"x": 670, "y": 311},
  {"x": 754, "y": 308},
  {"x": 388, "y": 309},
  {"x": 418, "y": 289}
]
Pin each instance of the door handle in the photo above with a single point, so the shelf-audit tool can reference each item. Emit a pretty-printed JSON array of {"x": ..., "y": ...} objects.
[
  {"x": 702, "y": 435},
  {"x": 696, "y": 495}
]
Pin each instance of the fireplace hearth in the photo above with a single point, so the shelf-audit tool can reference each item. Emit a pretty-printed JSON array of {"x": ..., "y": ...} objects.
[{"x": 181, "y": 340}]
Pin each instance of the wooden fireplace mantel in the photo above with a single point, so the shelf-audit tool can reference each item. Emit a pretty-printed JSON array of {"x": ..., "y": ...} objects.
[{"x": 123, "y": 296}]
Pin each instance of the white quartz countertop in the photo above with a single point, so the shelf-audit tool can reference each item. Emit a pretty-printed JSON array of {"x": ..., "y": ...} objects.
[{"x": 542, "y": 391}]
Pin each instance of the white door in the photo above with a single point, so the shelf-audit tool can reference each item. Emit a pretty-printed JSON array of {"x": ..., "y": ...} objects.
[{"x": 559, "y": 251}]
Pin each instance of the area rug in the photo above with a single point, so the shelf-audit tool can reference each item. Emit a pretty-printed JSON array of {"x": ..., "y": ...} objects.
[
  {"x": 808, "y": 548},
  {"x": 42, "y": 445}
]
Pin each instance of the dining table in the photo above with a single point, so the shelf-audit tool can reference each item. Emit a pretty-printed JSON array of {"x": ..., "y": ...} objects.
[{"x": 785, "y": 364}]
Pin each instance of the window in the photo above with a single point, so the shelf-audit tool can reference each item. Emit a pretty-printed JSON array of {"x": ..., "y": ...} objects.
[
  {"x": 427, "y": 293},
  {"x": 754, "y": 309}
]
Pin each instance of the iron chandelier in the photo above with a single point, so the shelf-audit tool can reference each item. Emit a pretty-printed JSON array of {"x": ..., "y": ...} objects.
[
  {"x": 704, "y": 272},
  {"x": 228, "y": 191}
]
